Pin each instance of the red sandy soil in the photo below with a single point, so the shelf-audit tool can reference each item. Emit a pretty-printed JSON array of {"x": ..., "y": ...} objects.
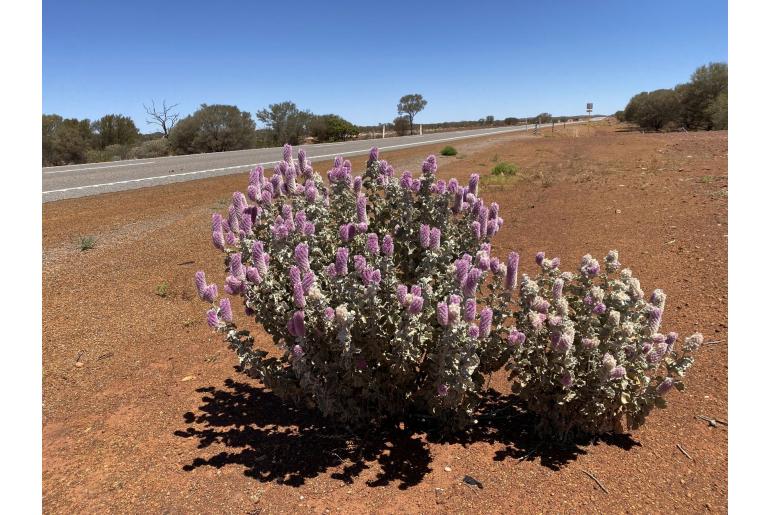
[{"x": 144, "y": 412}]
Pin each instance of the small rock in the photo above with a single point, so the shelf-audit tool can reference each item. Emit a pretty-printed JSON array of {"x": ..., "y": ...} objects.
[
  {"x": 448, "y": 469},
  {"x": 440, "y": 496},
  {"x": 79, "y": 364},
  {"x": 188, "y": 378},
  {"x": 617, "y": 211}
]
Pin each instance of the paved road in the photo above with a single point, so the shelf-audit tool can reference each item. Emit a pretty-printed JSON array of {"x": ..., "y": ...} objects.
[{"x": 63, "y": 182}]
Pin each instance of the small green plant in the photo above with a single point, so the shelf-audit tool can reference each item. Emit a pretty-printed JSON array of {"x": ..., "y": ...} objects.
[
  {"x": 86, "y": 243},
  {"x": 707, "y": 179},
  {"x": 163, "y": 289},
  {"x": 448, "y": 151},
  {"x": 505, "y": 168}
]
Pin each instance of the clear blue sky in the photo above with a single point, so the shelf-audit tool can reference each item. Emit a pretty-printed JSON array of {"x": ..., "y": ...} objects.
[{"x": 469, "y": 59}]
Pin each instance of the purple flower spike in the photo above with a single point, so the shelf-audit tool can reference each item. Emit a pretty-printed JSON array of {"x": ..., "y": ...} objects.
[
  {"x": 225, "y": 310},
  {"x": 212, "y": 318},
  {"x": 654, "y": 317},
  {"x": 302, "y": 158},
  {"x": 302, "y": 256},
  {"x": 618, "y": 372},
  {"x": 424, "y": 236},
  {"x": 416, "y": 306},
  {"x": 401, "y": 292},
  {"x": 236, "y": 266},
  {"x": 566, "y": 379},
  {"x": 469, "y": 313},
  {"x": 329, "y": 313},
  {"x": 483, "y": 219},
  {"x": 671, "y": 340},
  {"x": 473, "y": 331},
  {"x": 539, "y": 258},
  {"x": 298, "y": 322},
  {"x": 387, "y": 245},
  {"x": 200, "y": 282},
  {"x": 341, "y": 261},
  {"x": 473, "y": 184},
  {"x": 295, "y": 276},
  {"x": 358, "y": 183},
  {"x": 458, "y": 203},
  {"x": 218, "y": 240},
  {"x": 287, "y": 151},
  {"x": 216, "y": 222},
  {"x": 308, "y": 280},
  {"x": 252, "y": 274},
  {"x": 485, "y": 322},
  {"x": 476, "y": 230},
  {"x": 374, "y": 154},
  {"x": 372, "y": 244},
  {"x": 599, "y": 308},
  {"x": 442, "y": 314},
  {"x": 471, "y": 282},
  {"x": 211, "y": 293},
  {"x": 297, "y": 351},
  {"x": 511, "y": 271},
  {"x": 435, "y": 238},
  {"x": 429, "y": 166},
  {"x": 665, "y": 386},
  {"x": 516, "y": 338},
  {"x": 442, "y": 390},
  {"x": 359, "y": 263},
  {"x": 298, "y": 295},
  {"x": 558, "y": 288}
]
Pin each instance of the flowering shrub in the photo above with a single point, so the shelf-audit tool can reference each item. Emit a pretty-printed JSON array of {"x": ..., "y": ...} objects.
[
  {"x": 594, "y": 354},
  {"x": 379, "y": 291},
  {"x": 382, "y": 296}
]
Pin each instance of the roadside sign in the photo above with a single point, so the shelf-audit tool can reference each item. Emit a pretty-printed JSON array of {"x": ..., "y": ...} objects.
[{"x": 590, "y": 106}]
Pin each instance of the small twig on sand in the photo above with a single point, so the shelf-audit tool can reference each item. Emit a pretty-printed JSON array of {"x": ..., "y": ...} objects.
[
  {"x": 684, "y": 452},
  {"x": 80, "y": 355},
  {"x": 596, "y": 481},
  {"x": 712, "y": 421},
  {"x": 530, "y": 453},
  {"x": 712, "y": 342}
]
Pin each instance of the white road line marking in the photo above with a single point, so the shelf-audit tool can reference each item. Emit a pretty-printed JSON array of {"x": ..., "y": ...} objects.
[
  {"x": 363, "y": 151},
  {"x": 100, "y": 167}
]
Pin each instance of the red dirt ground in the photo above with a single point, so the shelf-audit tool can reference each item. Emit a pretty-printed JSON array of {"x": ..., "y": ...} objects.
[{"x": 144, "y": 412}]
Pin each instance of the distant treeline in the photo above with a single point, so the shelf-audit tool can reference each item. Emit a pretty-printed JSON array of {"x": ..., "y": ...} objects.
[
  {"x": 212, "y": 128},
  {"x": 700, "y": 104},
  {"x": 217, "y": 128}
]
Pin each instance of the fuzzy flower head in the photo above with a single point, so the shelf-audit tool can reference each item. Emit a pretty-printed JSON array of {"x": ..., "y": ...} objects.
[
  {"x": 589, "y": 267},
  {"x": 693, "y": 342}
]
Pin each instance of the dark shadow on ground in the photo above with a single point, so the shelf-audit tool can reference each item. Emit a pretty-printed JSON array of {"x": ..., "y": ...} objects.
[{"x": 275, "y": 441}]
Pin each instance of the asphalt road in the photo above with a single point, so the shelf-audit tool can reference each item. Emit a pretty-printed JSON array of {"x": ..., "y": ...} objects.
[{"x": 63, "y": 182}]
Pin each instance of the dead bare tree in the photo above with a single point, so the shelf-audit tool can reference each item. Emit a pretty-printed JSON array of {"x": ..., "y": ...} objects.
[{"x": 163, "y": 117}]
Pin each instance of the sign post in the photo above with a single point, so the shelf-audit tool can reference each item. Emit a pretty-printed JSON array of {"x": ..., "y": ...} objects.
[{"x": 589, "y": 108}]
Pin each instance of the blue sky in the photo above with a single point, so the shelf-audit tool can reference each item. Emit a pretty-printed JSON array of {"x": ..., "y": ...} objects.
[{"x": 356, "y": 59}]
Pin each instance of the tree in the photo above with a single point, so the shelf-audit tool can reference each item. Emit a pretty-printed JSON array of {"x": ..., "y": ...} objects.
[
  {"x": 163, "y": 117},
  {"x": 213, "y": 128},
  {"x": 511, "y": 120},
  {"x": 490, "y": 120},
  {"x": 410, "y": 105},
  {"x": 717, "y": 111},
  {"x": 65, "y": 141},
  {"x": 401, "y": 125},
  {"x": 654, "y": 110},
  {"x": 620, "y": 116},
  {"x": 286, "y": 122},
  {"x": 115, "y": 129},
  {"x": 706, "y": 84},
  {"x": 330, "y": 127},
  {"x": 544, "y": 118}
]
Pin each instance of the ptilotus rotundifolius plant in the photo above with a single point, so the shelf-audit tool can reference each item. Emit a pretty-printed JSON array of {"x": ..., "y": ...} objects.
[
  {"x": 593, "y": 359},
  {"x": 383, "y": 298}
]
